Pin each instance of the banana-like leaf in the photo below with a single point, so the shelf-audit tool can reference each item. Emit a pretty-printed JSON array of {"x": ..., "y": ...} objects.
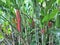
[
  {"x": 50, "y": 16},
  {"x": 58, "y": 1},
  {"x": 49, "y": 4},
  {"x": 53, "y": 13},
  {"x": 58, "y": 21},
  {"x": 40, "y": 1},
  {"x": 3, "y": 1}
]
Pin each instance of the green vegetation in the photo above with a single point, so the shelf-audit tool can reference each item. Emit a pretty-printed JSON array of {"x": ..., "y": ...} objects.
[{"x": 30, "y": 22}]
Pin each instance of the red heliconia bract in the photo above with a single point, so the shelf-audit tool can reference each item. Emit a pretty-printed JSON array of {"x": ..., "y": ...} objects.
[
  {"x": 18, "y": 19},
  {"x": 42, "y": 31},
  {"x": 49, "y": 24}
]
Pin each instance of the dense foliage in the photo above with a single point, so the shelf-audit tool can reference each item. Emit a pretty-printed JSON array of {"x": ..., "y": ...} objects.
[{"x": 30, "y": 22}]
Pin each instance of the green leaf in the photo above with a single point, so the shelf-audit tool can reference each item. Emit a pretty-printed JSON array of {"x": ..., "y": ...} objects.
[
  {"x": 32, "y": 43},
  {"x": 8, "y": 3},
  {"x": 3, "y": 1},
  {"x": 53, "y": 13},
  {"x": 1, "y": 36},
  {"x": 50, "y": 16},
  {"x": 1, "y": 11},
  {"x": 40, "y": 1},
  {"x": 9, "y": 31},
  {"x": 42, "y": 11},
  {"x": 45, "y": 19},
  {"x": 58, "y": 1},
  {"x": 49, "y": 4},
  {"x": 55, "y": 31},
  {"x": 58, "y": 21}
]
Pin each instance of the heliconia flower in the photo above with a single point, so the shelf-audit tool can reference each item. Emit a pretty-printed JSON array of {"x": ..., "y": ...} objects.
[
  {"x": 49, "y": 24},
  {"x": 42, "y": 31},
  {"x": 18, "y": 19}
]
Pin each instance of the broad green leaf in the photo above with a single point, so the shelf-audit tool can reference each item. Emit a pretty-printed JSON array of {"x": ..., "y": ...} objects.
[
  {"x": 50, "y": 16},
  {"x": 3, "y": 1},
  {"x": 45, "y": 19},
  {"x": 8, "y": 3},
  {"x": 49, "y": 4},
  {"x": 58, "y": 1},
  {"x": 58, "y": 21},
  {"x": 40, "y": 1},
  {"x": 53, "y": 13},
  {"x": 42, "y": 12}
]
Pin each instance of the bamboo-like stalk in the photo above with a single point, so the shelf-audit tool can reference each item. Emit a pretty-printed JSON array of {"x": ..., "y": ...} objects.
[
  {"x": 13, "y": 42},
  {"x": 7, "y": 41},
  {"x": 26, "y": 37},
  {"x": 49, "y": 39},
  {"x": 19, "y": 40},
  {"x": 52, "y": 40},
  {"x": 35, "y": 26},
  {"x": 42, "y": 39},
  {"x": 36, "y": 36}
]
